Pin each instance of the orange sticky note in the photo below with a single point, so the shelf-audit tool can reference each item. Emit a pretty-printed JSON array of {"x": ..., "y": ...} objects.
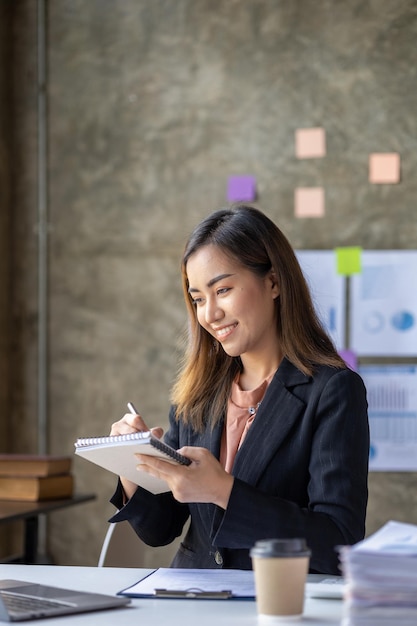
[
  {"x": 309, "y": 202},
  {"x": 384, "y": 168},
  {"x": 310, "y": 143}
]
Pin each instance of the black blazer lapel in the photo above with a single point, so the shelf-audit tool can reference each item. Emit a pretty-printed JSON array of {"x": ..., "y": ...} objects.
[{"x": 277, "y": 414}]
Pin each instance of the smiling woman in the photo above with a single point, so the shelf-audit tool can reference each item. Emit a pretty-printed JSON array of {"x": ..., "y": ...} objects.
[
  {"x": 274, "y": 422},
  {"x": 236, "y": 307}
]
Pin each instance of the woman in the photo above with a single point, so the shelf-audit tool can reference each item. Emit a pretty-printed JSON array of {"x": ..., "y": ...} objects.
[{"x": 274, "y": 422}]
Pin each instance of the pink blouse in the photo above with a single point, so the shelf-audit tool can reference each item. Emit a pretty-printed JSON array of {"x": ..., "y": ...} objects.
[{"x": 242, "y": 409}]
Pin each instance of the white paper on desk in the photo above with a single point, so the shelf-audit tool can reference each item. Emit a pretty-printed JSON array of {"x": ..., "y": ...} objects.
[
  {"x": 387, "y": 560},
  {"x": 381, "y": 576},
  {"x": 397, "y": 538},
  {"x": 239, "y": 582}
]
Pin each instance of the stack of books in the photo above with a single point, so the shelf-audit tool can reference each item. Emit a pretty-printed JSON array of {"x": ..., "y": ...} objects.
[
  {"x": 381, "y": 578},
  {"x": 35, "y": 477}
]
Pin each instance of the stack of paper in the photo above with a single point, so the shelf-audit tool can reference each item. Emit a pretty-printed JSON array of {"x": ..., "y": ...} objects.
[{"x": 381, "y": 578}]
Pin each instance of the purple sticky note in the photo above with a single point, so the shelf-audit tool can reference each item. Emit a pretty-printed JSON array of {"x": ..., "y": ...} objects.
[
  {"x": 241, "y": 188},
  {"x": 350, "y": 359}
]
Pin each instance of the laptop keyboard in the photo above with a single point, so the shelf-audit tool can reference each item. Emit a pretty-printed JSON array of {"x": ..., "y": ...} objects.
[{"x": 18, "y": 604}]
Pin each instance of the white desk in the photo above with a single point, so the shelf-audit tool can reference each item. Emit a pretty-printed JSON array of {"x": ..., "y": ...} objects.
[{"x": 150, "y": 612}]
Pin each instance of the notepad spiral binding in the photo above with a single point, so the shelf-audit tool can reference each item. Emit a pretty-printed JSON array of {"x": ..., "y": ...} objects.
[
  {"x": 96, "y": 441},
  {"x": 160, "y": 445}
]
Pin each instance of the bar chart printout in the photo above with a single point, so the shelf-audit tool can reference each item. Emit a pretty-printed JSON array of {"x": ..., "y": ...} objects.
[{"x": 392, "y": 399}]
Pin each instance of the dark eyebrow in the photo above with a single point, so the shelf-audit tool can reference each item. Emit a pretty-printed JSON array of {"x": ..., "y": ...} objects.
[{"x": 211, "y": 282}]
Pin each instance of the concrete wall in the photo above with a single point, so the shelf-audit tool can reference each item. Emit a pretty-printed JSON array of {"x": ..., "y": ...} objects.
[{"x": 152, "y": 104}]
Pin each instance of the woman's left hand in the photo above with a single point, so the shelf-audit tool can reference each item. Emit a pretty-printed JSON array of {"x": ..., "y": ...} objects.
[{"x": 203, "y": 481}]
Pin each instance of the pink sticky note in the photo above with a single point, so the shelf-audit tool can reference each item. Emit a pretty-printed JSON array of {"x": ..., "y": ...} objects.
[
  {"x": 309, "y": 202},
  {"x": 310, "y": 143},
  {"x": 241, "y": 188},
  {"x": 384, "y": 168}
]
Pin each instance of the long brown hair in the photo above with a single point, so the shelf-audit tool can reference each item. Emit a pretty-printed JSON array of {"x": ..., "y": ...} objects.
[{"x": 203, "y": 385}]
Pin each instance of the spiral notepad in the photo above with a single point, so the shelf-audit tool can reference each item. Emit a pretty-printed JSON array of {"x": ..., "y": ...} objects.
[{"x": 117, "y": 454}]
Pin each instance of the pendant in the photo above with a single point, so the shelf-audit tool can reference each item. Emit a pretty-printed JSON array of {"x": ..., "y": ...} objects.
[{"x": 253, "y": 409}]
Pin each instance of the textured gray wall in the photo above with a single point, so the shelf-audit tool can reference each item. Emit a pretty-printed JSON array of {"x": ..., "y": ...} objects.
[{"x": 152, "y": 105}]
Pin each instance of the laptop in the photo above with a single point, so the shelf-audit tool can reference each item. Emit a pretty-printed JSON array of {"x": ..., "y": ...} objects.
[{"x": 20, "y": 600}]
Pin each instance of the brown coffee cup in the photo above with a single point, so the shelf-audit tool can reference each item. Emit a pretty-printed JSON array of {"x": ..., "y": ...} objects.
[{"x": 280, "y": 570}]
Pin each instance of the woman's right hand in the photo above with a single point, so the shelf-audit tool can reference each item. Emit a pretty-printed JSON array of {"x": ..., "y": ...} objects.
[{"x": 132, "y": 424}]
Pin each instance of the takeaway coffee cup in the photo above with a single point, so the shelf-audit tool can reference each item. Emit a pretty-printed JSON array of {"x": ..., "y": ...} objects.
[{"x": 280, "y": 569}]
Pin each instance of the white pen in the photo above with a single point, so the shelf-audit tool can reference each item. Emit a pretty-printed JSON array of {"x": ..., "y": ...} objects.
[{"x": 132, "y": 409}]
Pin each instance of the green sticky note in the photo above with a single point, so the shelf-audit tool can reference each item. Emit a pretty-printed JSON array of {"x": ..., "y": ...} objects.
[{"x": 348, "y": 260}]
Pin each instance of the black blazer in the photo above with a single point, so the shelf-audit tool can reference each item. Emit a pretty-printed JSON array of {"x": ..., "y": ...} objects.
[{"x": 300, "y": 472}]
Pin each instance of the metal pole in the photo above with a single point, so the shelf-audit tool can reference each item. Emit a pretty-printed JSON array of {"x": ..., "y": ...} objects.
[
  {"x": 42, "y": 256},
  {"x": 42, "y": 235}
]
